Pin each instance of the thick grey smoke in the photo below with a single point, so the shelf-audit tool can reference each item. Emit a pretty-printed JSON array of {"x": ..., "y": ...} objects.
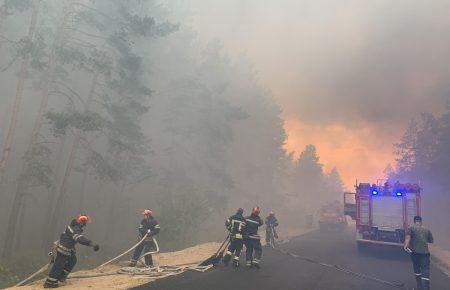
[{"x": 340, "y": 61}]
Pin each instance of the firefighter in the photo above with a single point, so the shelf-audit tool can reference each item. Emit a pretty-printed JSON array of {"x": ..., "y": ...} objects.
[
  {"x": 150, "y": 227},
  {"x": 271, "y": 222},
  {"x": 252, "y": 240},
  {"x": 235, "y": 224},
  {"x": 66, "y": 258},
  {"x": 416, "y": 243}
]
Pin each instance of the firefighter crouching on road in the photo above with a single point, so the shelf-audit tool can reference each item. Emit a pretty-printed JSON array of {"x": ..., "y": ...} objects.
[
  {"x": 416, "y": 242},
  {"x": 271, "y": 223},
  {"x": 235, "y": 224},
  {"x": 252, "y": 240},
  {"x": 66, "y": 259},
  {"x": 151, "y": 227}
]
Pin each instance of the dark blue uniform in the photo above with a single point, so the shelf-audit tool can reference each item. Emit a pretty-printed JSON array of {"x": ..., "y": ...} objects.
[
  {"x": 271, "y": 223},
  {"x": 146, "y": 225},
  {"x": 252, "y": 240},
  {"x": 236, "y": 225},
  {"x": 66, "y": 258}
]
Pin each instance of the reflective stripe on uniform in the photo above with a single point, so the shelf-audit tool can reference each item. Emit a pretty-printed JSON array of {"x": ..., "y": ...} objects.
[
  {"x": 70, "y": 229},
  {"x": 423, "y": 278},
  {"x": 157, "y": 227},
  {"x": 77, "y": 236},
  {"x": 252, "y": 221},
  {"x": 53, "y": 280},
  {"x": 256, "y": 237},
  {"x": 418, "y": 274}
]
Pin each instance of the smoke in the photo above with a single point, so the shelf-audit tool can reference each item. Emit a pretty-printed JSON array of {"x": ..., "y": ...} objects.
[
  {"x": 348, "y": 62},
  {"x": 366, "y": 67}
]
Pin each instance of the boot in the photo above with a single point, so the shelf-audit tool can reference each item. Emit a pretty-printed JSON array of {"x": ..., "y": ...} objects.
[
  {"x": 236, "y": 263},
  {"x": 226, "y": 259},
  {"x": 132, "y": 263},
  {"x": 425, "y": 284},
  {"x": 255, "y": 263},
  {"x": 248, "y": 264},
  {"x": 50, "y": 284},
  {"x": 419, "y": 282},
  {"x": 63, "y": 277}
]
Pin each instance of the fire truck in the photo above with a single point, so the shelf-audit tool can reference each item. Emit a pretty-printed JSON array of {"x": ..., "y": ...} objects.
[
  {"x": 382, "y": 212},
  {"x": 331, "y": 216}
]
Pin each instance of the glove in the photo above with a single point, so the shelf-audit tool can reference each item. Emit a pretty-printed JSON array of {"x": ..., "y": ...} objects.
[
  {"x": 96, "y": 247},
  {"x": 149, "y": 231}
]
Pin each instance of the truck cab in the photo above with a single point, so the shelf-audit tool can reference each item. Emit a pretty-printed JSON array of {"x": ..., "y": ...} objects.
[{"x": 382, "y": 212}]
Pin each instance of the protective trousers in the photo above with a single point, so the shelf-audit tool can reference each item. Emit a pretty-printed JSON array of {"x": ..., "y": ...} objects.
[
  {"x": 253, "y": 251},
  {"x": 146, "y": 246},
  {"x": 61, "y": 268},
  {"x": 421, "y": 265},
  {"x": 235, "y": 248},
  {"x": 269, "y": 232}
]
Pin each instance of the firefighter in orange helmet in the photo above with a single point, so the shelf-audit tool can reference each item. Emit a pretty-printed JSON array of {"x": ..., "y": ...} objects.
[
  {"x": 252, "y": 239},
  {"x": 65, "y": 258},
  {"x": 150, "y": 227}
]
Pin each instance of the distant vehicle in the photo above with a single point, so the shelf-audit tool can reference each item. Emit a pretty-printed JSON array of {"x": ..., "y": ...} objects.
[
  {"x": 382, "y": 212},
  {"x": 331, "y": 217}
]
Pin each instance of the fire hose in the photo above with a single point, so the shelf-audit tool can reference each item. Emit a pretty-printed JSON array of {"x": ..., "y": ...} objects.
[
  {"x": 40, "y": 271},
  {"x": 347, "y": 271},
  {"x": 127, "y": 251},
  {"x": 51, "y": 254}
]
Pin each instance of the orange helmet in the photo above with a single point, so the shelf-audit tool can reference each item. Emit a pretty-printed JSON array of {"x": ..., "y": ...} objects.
[
  {"x": 83, "y": 219},
  {"x": 256, "y": 210},
  {"x": 147, "y": 212}
]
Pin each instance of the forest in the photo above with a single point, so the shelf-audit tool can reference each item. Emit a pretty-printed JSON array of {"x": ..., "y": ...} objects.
[{"x": 109, "y": 107}]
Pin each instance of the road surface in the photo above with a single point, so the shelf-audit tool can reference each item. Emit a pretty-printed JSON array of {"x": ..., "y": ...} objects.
[{"x": 283, "y": 272}]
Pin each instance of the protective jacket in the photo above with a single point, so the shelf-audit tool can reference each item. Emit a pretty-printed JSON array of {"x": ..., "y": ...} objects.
[
  {"x": 148, "y": 225},
  {"x": 252, "y": 223},
  {"x": 236, "y": 225},
  {"x": 70, "y": 237},
  {"x": 271, "y": 221}
]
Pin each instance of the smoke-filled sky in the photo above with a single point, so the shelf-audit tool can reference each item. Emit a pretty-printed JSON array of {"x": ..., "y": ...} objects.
[{"x": 348, "y": 74}]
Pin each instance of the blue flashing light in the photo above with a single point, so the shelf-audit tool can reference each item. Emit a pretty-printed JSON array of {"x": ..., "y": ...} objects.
[
  {"x": 374, "y": 192},
  {"x": 398, "y": 193}
]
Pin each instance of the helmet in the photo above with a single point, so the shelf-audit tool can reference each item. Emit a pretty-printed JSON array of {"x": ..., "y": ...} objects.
[
  {"x": 272, "y": 213},
  {"x": 240, "y": 210},
  {"x": 256, "y": 210},
  {"x": 147, "y": 212},
  {"x": 83, "y": 219}
]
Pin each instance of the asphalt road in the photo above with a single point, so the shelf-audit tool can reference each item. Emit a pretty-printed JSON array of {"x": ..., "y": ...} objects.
[{"x": 281, "y": 272}]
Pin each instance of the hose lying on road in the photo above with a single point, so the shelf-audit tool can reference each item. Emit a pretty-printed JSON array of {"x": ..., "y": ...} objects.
[
  {"x": 124, "y": 253},
  {"x": 155, "y": 242},
  {"x": 347, "y": 271},
  {"x": 40, "y": 271}
]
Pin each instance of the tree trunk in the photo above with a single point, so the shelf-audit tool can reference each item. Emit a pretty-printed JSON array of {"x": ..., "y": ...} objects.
[
  {"x": 51, "y": 197},
  {"x": 57, "y": 212},
  {"x": 18, "y": 198},
  {"x": 81, "y": 207},
  {"x": 6, "y": 153}
]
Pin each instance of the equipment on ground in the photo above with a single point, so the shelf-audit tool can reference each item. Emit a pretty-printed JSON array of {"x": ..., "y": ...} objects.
[
  {"x": 331, "y": 217},
  {"x": 382, "y": 212},
  {"x": 215, "y": 259}
]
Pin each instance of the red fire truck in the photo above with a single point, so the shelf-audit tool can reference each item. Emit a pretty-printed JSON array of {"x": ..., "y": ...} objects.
[{"x": 382, "y": 212}]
